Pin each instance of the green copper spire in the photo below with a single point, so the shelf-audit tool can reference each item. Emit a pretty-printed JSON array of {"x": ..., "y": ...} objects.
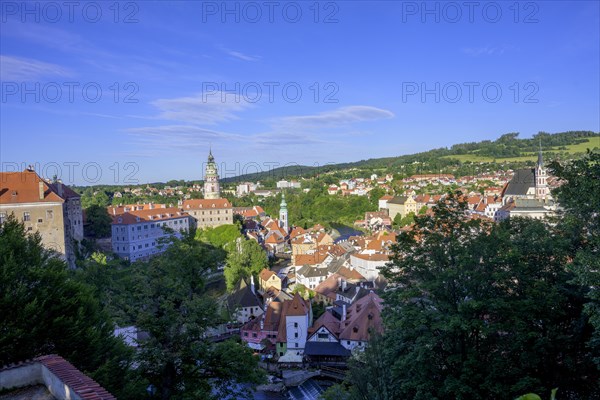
[{"x": 283, "y": 203}]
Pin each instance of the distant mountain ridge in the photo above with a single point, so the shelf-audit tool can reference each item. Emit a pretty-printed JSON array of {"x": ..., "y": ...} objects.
[{"x": 505, "y": 148}]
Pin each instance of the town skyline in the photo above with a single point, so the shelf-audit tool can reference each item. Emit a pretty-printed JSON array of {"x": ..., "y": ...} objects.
[{"x": 216, "y": 79}]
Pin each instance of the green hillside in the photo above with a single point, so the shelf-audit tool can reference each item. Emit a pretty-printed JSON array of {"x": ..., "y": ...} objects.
[
  {"x": 590, "y": 143},
  {"x": 507, "y": 148}
]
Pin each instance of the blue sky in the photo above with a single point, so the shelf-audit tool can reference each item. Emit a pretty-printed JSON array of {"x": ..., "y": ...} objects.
[{"x": 146, "y": 87}]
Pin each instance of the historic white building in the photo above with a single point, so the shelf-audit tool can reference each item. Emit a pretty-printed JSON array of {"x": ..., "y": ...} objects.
[{"x": 140, "y": 234}]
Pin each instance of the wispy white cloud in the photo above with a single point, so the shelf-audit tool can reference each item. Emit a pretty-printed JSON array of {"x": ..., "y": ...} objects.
[
  {"x": 28, "y": 69},
  {"x": 238, "y": 54},
  {"x": 290, "y": 132},
  {"x": 202, "y": 109},
  {"x": 166, "y": 138},
  {"x": 486, "y": 50},
  {"x": 243, "y": 56},
  {"x": 339, "y": 117}
]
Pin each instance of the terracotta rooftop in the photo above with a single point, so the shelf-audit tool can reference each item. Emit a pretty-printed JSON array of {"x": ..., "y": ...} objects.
[
  {"x": 147, "y": 215},
  {"x": 265, "y": 274},
  {"x": 206, "y": 204},
  {"x": 29, "y": 187},
  {"x": 363, "y": 319},
  {"x": 77, "y": 382}
]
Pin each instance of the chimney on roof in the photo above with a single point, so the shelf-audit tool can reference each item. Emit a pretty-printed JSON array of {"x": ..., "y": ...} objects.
[
  {"x": 344, "y": 285},
  {"x": 41, "y": 190},
  {"x": 262, "y": 323},
  {"x": 343, "y": 312},
  {"x": 59, "y": 188},
  {"x": 252, "y": 284},
  {"x": 340, "y": 283}
]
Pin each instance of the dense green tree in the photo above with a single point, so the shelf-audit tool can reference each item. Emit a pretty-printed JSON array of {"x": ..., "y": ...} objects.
[
  {"x": 220, "y": 235},
  {"x": 45, "y": 311},
  {"x": 579, "y": 197},
  {"x": 175, "y": 311},
  {"x": 374, "y": 195},
  {"x": 91, "y": 198},
  {"x": 244, "y": 258},
  {"x": 482, "y": 310},
  {"x": 99, "y": 222}
]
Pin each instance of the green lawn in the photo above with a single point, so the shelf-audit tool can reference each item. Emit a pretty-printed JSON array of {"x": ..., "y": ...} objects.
[{"x": 571, "y": 149}]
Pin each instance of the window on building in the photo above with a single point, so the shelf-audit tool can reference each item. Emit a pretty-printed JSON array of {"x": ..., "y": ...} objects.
[
  {"x": 296, "y": 344},
  {"x": 295, "y": 324},
  {"x": 49, "y": 214},
  {"x": 40, "y": 220},
  {"x": 29, "y": 228},
  {"x": 2, "y": 217},
  {"x": 246, "y": 334},
  {"x": 26, "y": 216},
  {"x": 254, "y": 335},
  {"x": 145, "y": 226},
  {"x": 322, "y": 335},
  {"x": 296, "y": 335},
  {"x": 139, "y": 246}
]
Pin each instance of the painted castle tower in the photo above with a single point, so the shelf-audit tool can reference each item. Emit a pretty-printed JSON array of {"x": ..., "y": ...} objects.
[{"x": 211, "y": 179}]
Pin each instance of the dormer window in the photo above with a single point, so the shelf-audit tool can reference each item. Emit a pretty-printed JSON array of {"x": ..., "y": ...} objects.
[
  {"x": 213, "y": 205},
  {"x": 120, "y": 220}
]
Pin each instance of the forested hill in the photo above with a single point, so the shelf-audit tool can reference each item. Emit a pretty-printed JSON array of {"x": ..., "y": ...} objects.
[{"x": 507, "y": 148}]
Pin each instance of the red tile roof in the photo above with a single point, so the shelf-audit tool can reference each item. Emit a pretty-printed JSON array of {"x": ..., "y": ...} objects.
[
  {"x": 157, "y": 214},
  {"x": 351, "y": 274},
  {"x": 265, "y": 274},
  {"x": 372, "y": 257},
  {"x": 363, "y": 319},
  {"x": 81, "y": 384},
  {"x": 297, "y": 307},
  {"x": 206, "y": 203},
  {"x": 24, "y": 187}
]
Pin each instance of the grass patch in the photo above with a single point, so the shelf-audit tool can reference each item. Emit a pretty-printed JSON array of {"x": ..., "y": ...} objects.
[{"x": 590, "y": 143}]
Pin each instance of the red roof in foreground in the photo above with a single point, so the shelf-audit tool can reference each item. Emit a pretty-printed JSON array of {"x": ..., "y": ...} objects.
[
  {"x": 83, "y": 385},
  {"x": 79, "y": 383}
]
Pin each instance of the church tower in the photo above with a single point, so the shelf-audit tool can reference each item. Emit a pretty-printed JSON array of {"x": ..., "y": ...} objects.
[
  {"x": 211, "y": 179},
  {"x": 541, "y": 185},
  {"x": 283, "y": 214}
]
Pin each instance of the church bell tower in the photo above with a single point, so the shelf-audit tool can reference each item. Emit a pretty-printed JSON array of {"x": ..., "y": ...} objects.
[
  {"x": 283, "y": 214},
  {"x": 541, "y": 185}
]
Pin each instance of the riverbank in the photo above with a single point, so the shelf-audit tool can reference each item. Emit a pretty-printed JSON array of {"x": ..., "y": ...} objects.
[{"x": 343, "y": 232}]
